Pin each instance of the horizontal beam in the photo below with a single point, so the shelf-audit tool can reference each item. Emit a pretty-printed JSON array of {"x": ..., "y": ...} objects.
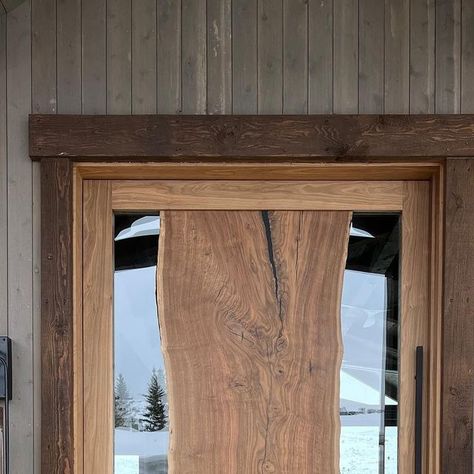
[{"x": 112, "y": 137}]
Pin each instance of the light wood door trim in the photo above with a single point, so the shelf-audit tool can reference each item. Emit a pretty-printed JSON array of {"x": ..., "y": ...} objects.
[
  {"x": 257, "y": 195},
  {"x": 100, "y": 200},
  {"x": 97, "y": 330},
  {"x": 248, "y": 171},
  {"x": 414, "y": 316}
]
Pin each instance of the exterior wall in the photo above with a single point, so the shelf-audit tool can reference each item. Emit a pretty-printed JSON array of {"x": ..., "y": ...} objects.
[{"x": 198, "y": 56}]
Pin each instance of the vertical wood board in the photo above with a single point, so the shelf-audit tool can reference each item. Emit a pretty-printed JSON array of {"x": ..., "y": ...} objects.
[
  {"x": 244, "y": 57},
  {"x": 94, "y": 57},
  {"x": 193, "y": 68},
  {"x": 56, "y": 315},
  {"x": 371, "y": 56},
  {"x": 69, "y": 51},
  {"x": 119, "y": 57},
  {"x": 20, "y": 231},
  {"x": 320, "y": 56},
  {"x": 346, "y": 70},
  {"x": 295, "y": 57},
  {"x": 219, "y": 56},
  {"x": 43, "y": 56},
  {"x": 458, "y": 325},
  {"x": 3, "y": 178},
  {"x": 253, "y": 346},
  {"x": 270, "y": 57},
  {"x": 448, "y": 54},
  {"x": 467, "y": 58},
  {"x": 415, "y": 315},
  {"x": 144, "y": 57},
  {"x": 422, "y": 56},
  {"x": 169, "y": 57},
  {"x": 97, "y": 304},
  {"x": 397, "y": 57}
]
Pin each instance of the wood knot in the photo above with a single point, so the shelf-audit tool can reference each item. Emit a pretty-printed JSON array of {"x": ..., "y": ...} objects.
[
  {"x": 227, "y": 134},
  {"x": 239, "y": 384},
  {"x": 268, "y": 467},
  {"x": 279, "y": 371},
  {"x": 281, "y": 344}
]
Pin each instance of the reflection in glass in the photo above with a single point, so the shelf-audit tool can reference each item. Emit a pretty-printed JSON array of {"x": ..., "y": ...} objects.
[
  {"x": 141, "y": 406},
  {"x": 370, "y": 328}
]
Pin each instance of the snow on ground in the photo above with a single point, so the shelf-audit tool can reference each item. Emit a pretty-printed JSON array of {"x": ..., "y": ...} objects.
[
  {"x": 135, "y": 448},
  {"x": 127, "y": 465},
  {"x": 141, "y": 443},
  {"x": 359, "y": 449}
]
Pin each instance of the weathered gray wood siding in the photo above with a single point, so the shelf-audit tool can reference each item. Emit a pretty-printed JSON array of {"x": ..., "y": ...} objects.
[{"x": 198, "y": 56}]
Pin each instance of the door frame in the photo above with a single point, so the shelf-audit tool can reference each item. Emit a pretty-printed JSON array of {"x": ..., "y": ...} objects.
[
  {"x": 389, "y": 147},
  {"x": 102, "y": 197}
]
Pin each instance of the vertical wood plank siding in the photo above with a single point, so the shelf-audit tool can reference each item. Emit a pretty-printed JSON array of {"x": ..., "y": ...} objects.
[
  {"x": 397, "y": 57},
  {"x": 20, "y": 243},
  {"x": 208, "y": 56},
  {"x": 119, "y": 55},
  {"x": 295, "y": 56},
  {"x": 219, "y": 57},
  {"x": 193, "y": 60},
  {"x": 144, "y": 57},
  {"x": 244, "y": 57},
  {"x": 68, "y": 75},
  {"x": 448, "y": 54},
  {"x": 320, "y": 52},
  {"x": 3, "y": 178},
  {"x": 371, "y": 56},
  {"x": 94, "y": 63},
  {"x": 270, "y": 57},
  {"x": 422, "y": 56},
  {"x": 346, "y": 64}
]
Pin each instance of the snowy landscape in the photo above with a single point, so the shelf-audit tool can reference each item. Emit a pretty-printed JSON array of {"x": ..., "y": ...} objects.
[{"x": 359, "y": 450}]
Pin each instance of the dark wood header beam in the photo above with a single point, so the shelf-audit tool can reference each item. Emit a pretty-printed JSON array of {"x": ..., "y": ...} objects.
[{"x": 155, "y": 137}]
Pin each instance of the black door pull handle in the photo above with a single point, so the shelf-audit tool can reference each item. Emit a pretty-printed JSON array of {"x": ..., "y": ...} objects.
[{"x": 419, "y": 411}]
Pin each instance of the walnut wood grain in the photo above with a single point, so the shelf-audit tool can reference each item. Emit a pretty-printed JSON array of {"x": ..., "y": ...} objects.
[
  {"x": 138, "y": 137},
  {"x": 249, "y": 308}
]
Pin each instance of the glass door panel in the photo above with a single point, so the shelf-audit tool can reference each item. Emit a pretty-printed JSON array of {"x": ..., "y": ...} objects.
[
  {"x": 369, "y": 370},
  {"x": 370, "y": 334},
  {"x": 140, "y": 393}
]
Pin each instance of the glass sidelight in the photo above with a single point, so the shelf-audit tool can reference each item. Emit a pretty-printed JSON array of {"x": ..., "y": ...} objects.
[
  {"x": 370, "y": 334},
  {"x": 140, "y": 392}
]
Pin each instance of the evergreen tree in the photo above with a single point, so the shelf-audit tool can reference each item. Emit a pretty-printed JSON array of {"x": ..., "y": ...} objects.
[
  {"x": 155, "y": 414},
  {"x": 123, "y": 404}
]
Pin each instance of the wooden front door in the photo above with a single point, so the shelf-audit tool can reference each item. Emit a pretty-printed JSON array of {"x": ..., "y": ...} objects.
[
  {"x": 266, "y": 351},
  {"x": 249, "y": 305}
]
